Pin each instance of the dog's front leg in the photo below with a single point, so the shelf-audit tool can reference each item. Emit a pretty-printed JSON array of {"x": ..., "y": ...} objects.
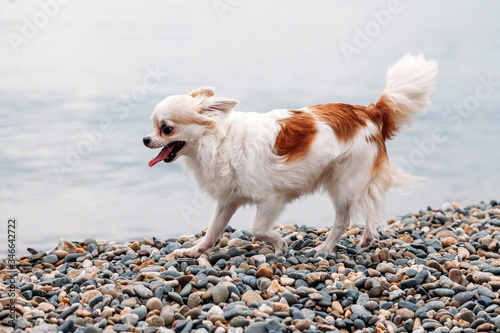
[
  {"x": 263, "y": 227},
  {"x": 222, "y": 214}
]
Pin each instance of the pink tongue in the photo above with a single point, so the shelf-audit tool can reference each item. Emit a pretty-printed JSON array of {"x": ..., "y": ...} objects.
[{"x": 162, "y": 155}]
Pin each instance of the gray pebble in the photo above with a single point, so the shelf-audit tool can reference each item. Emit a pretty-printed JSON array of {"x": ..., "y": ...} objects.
[
  {"x": 355, "y": 308},
  {"x": 141, "y": 312},
  {"x": 258, "y": 327},
  {"x": 142, "y": 291},
  {"x": 220, "y": 294}
]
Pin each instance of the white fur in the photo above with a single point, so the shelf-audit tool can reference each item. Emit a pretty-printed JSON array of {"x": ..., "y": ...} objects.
[
  {"x": 409, "y": 84},
  {"x": 234, "y": 161}
]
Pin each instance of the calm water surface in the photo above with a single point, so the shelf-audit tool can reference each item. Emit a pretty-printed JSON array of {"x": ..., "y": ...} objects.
[{"x": 76, "y": 72}]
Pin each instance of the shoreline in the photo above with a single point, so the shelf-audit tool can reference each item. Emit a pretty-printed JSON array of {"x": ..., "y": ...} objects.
[{"x": 432, "y": 270}]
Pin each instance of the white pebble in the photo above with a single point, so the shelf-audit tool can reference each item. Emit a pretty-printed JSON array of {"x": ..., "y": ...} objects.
[{"x": 446, "y": 207}]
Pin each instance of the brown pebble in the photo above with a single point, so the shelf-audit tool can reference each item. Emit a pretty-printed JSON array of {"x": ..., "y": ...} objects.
[
  {"x": 406, "y": 238},
  {"x": 448, "y": 241},
  {"x": 376, "y": 291},
  {"x": 416, "y": 323},
  {"x": 384, "y": 254},
  {"x": 264, "y": 271},
  {"x": 450, "y": 264},
  {"x": 250, "y": 297},
  {"x": 135, "y": 246},
  {"x": 223, "y": 241},
  {"x": 352, "y": 232},
  {"x": 289, "y": 227},
  {"x": 88, "y": 295},
  {"x": 445, "y": 233},
  {"x": 326, "y": 328},
  {"x": 405, "y": 314},
  {"x": 486, "y": 327},
  {"x": 455, "y": 275},
  {"x": 153, "y": 313},
  {"x": 494, "y": 284},
  {"x": 68, "y": 246},
  {"x": 280, "y": 307},
  {"x": 194, "y": 300},
  {"x": 274, "y": 288},
  {"x": 194, "y": 313},
  {"x": 301, "y": 324},
  {"x": 315, "y": 277},
  {"x": 286, "y": 281},
  {"x": 46, "y": 307},
  {"x": 154, "y": 303},
  {"x": 336, "y": 306},
  {"x": 83, "y": 313},
  {"x": 215, "y": 318},
  {"x": 155, "y": 321},
  {"x": 61, "y": 254},
  {"x": 434, "y": 264}
]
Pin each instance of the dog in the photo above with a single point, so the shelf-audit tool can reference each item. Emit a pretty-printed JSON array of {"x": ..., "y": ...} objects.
[{"x": 270, "y": 159}]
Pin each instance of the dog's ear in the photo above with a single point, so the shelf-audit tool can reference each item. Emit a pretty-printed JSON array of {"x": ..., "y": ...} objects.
[
  {"x": 203, "y": 92},
  {"x": 217, "y": 106}
]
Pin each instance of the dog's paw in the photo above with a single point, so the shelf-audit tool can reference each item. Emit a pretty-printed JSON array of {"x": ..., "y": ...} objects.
[
  {"x": 190, "y": 252},
  {"x": 322, "y": 249},
  {"x": 363, "y": 244},
  {"x": 366, "y": 241},
  {"x": 280, "y": 248}
]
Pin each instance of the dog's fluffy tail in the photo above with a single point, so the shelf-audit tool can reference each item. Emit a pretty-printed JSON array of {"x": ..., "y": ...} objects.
[{"x": 409, "y": 84}]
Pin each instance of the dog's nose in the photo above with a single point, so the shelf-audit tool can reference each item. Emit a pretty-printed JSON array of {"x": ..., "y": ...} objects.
[{"x": 146, "y": 140}]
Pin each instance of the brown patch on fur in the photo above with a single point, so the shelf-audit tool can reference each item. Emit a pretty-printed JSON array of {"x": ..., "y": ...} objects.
[
  {"x": 202, "y": 92},
  {"x": 186, "y": 117},
  {"x": 381, "y": 157},
  {"x": 296, "y": 136},
  {"x": 382, "y": 115},
  {"x": 344, "y": 119},
  {"x": 190, "y": 118}
]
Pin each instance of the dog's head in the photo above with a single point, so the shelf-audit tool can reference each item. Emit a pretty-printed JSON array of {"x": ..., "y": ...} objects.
[{"x": 180, "y": 121}]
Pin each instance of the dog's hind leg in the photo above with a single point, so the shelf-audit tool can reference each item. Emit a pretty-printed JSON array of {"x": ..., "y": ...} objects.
[
  {"x": 342, "y": 218},
  {"x": 263, "y": 227},
  {"x": 344, "y": 188},
  {"x": 371, "y": 205},
  {"x": 222, "y": 214}
]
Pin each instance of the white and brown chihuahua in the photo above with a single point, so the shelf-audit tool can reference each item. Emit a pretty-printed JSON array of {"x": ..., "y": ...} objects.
[{"x": 270, "y": 159}]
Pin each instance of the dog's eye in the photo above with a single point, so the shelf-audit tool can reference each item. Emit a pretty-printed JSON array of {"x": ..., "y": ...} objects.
[{"x": 166, "y": 129}]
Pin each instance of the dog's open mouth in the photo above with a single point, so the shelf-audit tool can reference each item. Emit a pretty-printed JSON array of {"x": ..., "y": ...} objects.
[{"x": 168, "y": 153}]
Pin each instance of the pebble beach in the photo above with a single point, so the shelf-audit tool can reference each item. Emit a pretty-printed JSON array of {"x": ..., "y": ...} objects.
[{"x": 435, "y": 270}]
